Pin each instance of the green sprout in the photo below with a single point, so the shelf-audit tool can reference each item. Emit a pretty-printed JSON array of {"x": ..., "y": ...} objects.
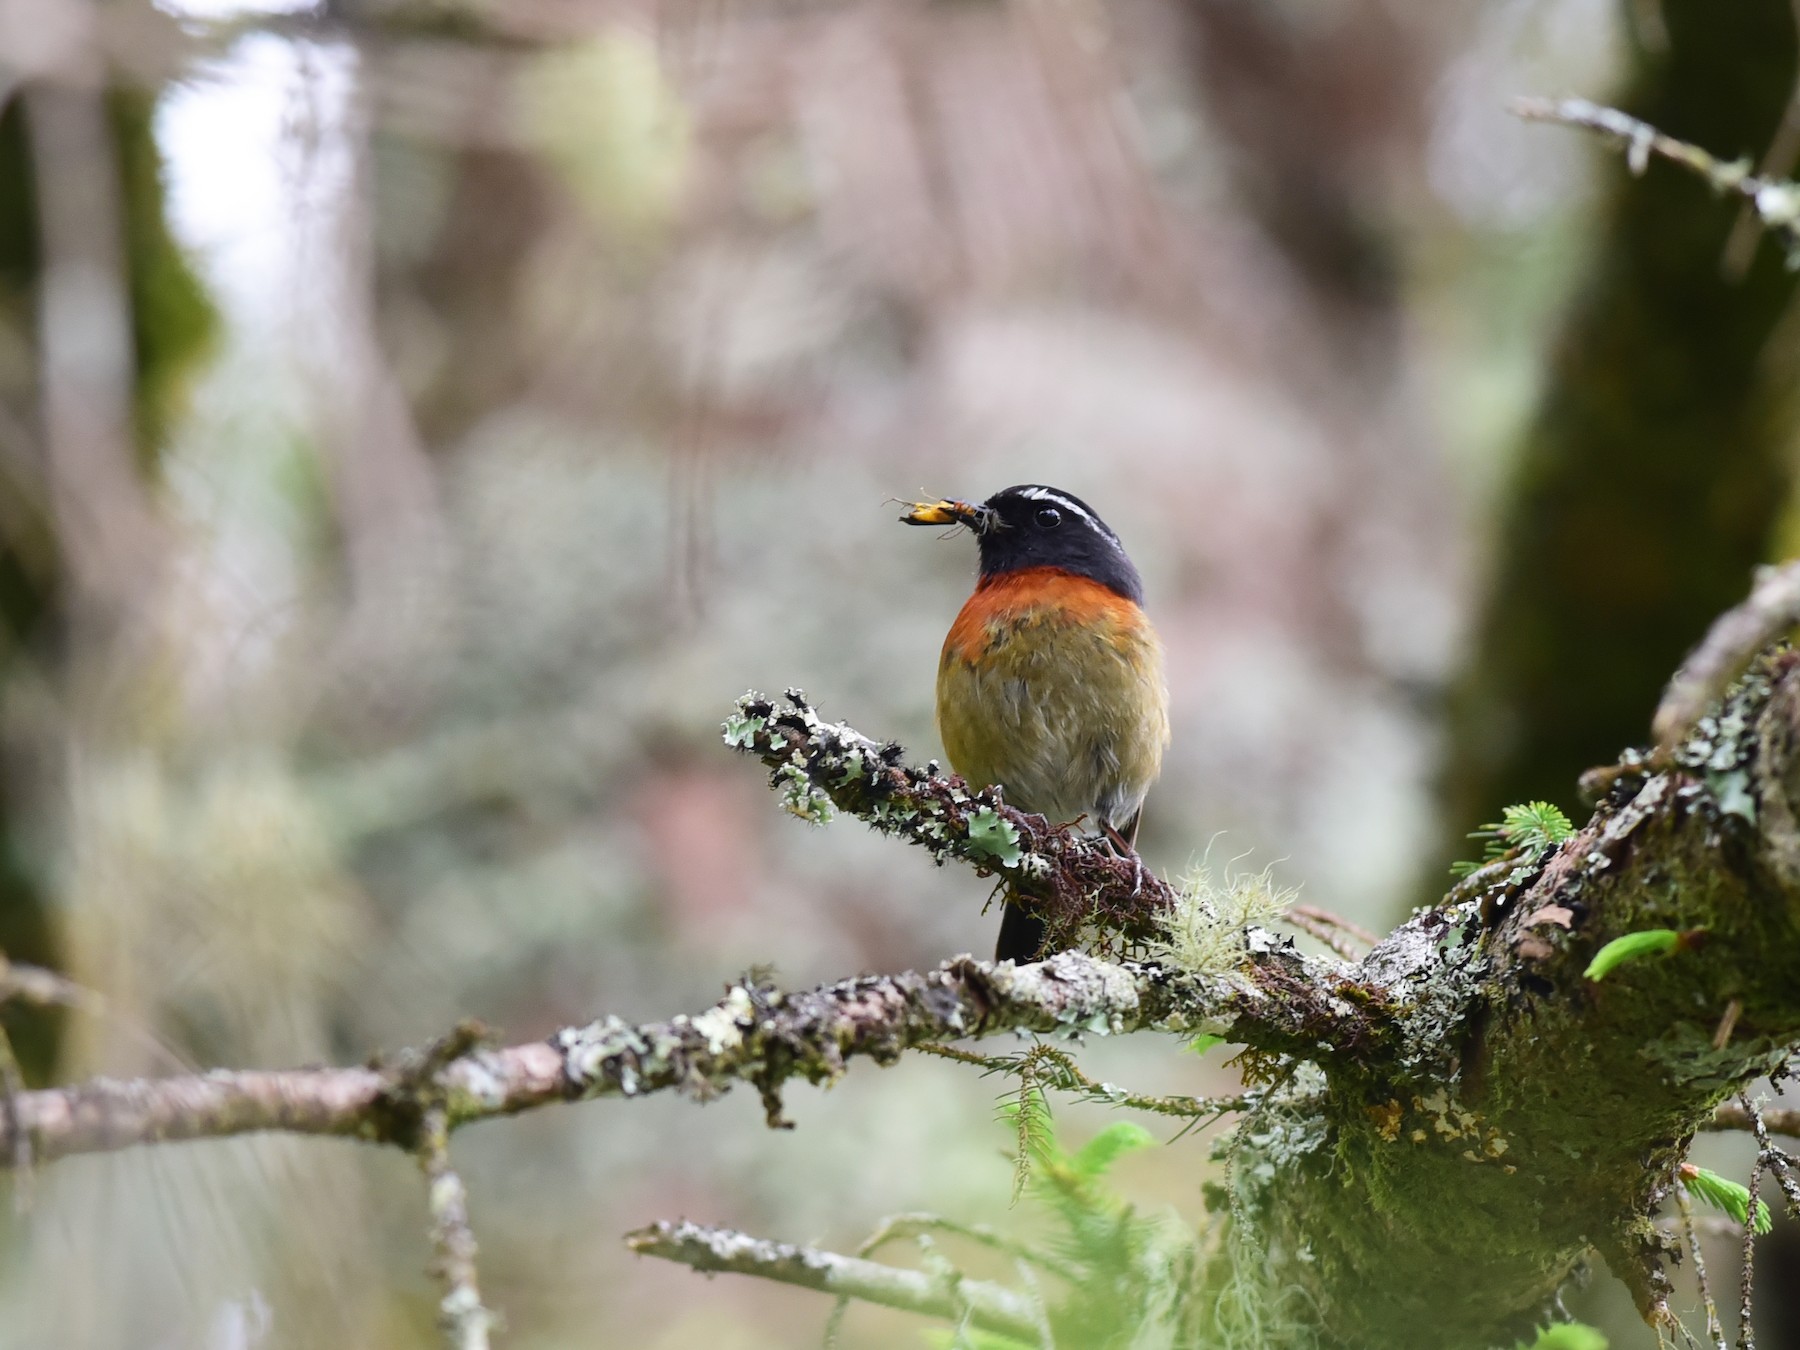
[
  {"x": 1532, "y": 829},
  {"x": 1723, "y": 1195},
  {"x": 1567, "y": 1336},
  {"x": 1632, "y": 947}
]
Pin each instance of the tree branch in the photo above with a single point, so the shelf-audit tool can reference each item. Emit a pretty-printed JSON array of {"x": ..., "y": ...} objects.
[
  {"x": 756, "y": 1033},
  {"x": 1776, "y": 1120},
  {"x": 465, "y": 1321},
  {"x": 1075, "y": 883},
  {"x": 1772, "y": 609},
  {"x": 991, "y": 1306},
  {"x": 1776, "y": 201}
]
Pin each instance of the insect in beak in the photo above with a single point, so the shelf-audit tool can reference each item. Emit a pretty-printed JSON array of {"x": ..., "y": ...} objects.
[{"x": 977, "y": 518}]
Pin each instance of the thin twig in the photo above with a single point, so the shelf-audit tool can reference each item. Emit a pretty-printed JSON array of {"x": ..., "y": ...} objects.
[
  {"x": 1339, "y": 922},
  {"x": 12, "y": 1088},
  {"x": 1069, "y": 1078},
  {"x": 1771, "y": 609},
  {"x": 39, "y": 987},
  {"x": 462, "y": 1317},
  {"x": 1733, "y": 1116},
  {"x": 992, "y": 1307},
  {"x": 42, "y": 987},
  {"x": 1727, "y": 1023},
  {"x": 1777, "y": 162},
  {"x": 1747, "y": 1274},
  {"x": 1715, "y": 1330},
  {"x": 1347, "y": 939},
  {"x": 1779, "y": 1164},
  {"x": 899, "y": 1226},
  {"x": 1642, "y": 140}
]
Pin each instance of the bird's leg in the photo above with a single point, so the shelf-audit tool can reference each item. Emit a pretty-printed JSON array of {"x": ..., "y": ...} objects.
[{"x": 1124, "y": 848}]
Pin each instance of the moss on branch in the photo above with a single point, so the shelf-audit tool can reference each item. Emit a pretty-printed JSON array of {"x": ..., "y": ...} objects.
[{"x": 1076, "y": 884}]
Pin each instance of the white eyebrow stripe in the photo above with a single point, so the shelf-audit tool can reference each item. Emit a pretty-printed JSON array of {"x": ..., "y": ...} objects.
[{"x": 1042, "y": 494}]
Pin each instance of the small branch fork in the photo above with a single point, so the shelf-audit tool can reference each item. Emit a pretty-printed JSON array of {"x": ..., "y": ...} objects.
[
  {"x": 1049, "y": 1067},
  {"x": 37, "y": 987},
  {"x": 1736, "y": 1116}
]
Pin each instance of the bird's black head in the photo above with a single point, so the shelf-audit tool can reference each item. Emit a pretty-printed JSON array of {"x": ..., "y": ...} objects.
[{"x": 1035, "y": 526}]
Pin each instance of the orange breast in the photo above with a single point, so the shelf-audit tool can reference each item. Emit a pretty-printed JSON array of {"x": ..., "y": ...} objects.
[
  {"x": 1051, "y": 686},
  {"x": 1000, "y": 601}
]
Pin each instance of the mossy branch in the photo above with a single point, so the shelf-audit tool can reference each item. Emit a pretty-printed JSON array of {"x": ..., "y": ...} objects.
[{"x": 1075, "y": 883}]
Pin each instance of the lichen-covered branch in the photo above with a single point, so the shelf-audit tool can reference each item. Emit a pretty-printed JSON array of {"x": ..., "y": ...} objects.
[
  {"x": 461, "y": 1314},
  {"x": 990, "y": 1306},
  {"x": 1776, "y": 1120},
  {"x": 1502, "y": 1116},
  {"x": 1776, "y": 201},
  {"x": 1076, "y": 884},
  {"x": 1554, "y": 1108},
  {"x": 1772, "y": 609},
  {"x": 756, "y": 1033}
]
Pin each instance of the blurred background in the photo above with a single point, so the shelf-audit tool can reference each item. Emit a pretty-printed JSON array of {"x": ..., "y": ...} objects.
[{"x": 420, "y": 419}]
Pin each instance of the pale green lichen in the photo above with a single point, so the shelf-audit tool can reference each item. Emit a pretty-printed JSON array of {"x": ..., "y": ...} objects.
[
  {"x": 1721, "y": 749},
  {"x": 586, "y": 1051},
  {"x": 992, "y": 836},
  {"x": 741, "y": 729},
  {"x": 800, "y": 797},
  {"x": 723, "y": 1025}
]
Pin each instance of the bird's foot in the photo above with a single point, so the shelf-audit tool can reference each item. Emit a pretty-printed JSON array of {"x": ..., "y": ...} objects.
[{"x": 1123, "y": 848}]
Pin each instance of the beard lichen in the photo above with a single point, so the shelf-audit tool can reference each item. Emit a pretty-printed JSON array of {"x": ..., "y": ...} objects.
[{"x": 1208, "y": 929}]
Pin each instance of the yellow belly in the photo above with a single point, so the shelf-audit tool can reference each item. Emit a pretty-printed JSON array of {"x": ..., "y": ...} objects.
[{"x": 1069, "y": 718}]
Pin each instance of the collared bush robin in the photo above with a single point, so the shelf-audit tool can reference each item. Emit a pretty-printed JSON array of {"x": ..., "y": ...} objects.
[{"x": 1051, "y": 680}]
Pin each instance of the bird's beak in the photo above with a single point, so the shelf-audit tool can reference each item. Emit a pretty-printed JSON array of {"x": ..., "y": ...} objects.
[{"x": 944, "y": 513}]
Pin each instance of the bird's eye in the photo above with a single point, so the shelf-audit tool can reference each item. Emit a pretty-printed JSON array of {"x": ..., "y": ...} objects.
[{"x": 1049, "y": 517}]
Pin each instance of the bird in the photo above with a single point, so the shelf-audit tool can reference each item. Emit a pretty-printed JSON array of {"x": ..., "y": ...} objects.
[{"x": 1051, "y": 683}]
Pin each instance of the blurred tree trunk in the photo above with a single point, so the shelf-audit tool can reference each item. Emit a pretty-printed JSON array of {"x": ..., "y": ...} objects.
[
  {"x": 1656, "y": 470},
  {"x": 170, "y": 319}
]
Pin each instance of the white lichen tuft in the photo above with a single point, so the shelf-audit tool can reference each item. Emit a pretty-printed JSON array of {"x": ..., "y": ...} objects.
[{"x": 1215, "y": 909}]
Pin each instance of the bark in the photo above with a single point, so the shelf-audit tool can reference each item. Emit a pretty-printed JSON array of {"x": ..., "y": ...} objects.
[{"x": 1528, "y": 1114}]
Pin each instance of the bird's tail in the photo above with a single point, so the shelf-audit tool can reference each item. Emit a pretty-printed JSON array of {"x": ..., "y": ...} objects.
[{"x": 1021, "y": 936}]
